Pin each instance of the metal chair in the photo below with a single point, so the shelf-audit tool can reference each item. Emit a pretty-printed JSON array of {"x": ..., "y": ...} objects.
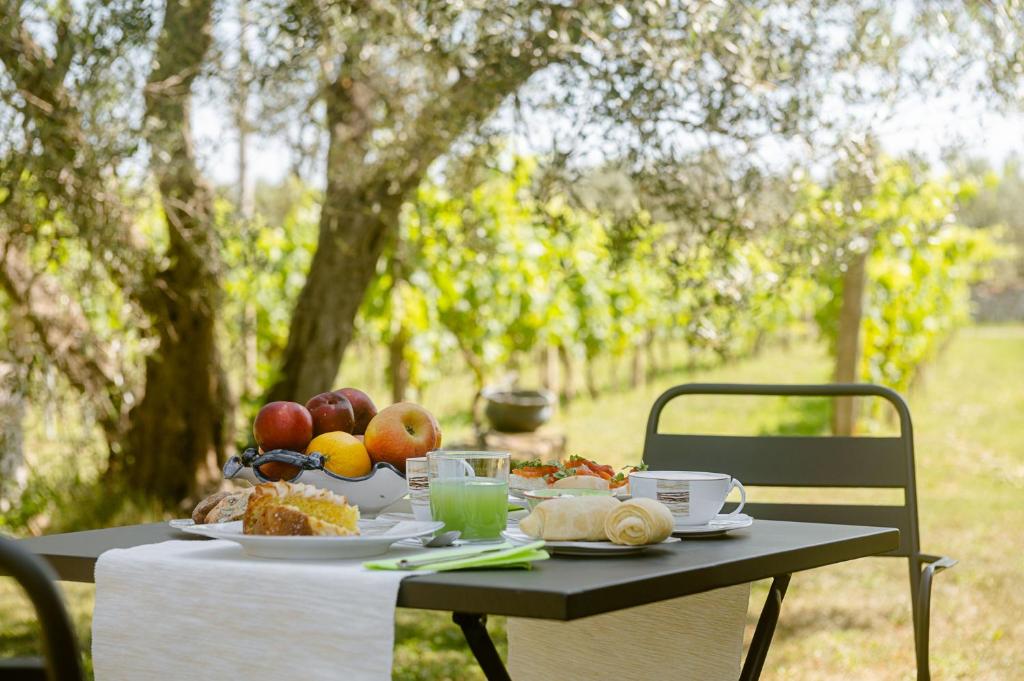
[
  {"x": 61, "y": 661},
  {"x": 813, "y": 461}
]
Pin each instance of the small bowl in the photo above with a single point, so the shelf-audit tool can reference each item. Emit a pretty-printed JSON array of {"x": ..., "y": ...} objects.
[
  {"x": 372, "y": 493},
  {"x": 517, "y": 411},
  {"x": 535, "y": 496}
]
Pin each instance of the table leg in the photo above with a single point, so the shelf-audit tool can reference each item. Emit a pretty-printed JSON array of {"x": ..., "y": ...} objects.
[
  {"x": 475, "y": 631},
  {"x": 762, "y": 639}
]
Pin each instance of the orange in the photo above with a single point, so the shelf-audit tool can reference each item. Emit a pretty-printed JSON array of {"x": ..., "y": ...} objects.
[{"x": 344, "y": 454}]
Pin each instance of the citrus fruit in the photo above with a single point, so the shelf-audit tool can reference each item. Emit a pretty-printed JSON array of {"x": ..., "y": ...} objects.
[{"x": 344, "y": 454}]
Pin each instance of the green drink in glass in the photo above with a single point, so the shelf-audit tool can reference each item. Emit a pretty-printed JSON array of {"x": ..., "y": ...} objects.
[{"x": 469, "y": 493}]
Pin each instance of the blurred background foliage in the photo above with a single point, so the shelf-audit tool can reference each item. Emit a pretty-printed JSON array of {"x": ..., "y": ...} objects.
[{"x": 469, "y": 186}]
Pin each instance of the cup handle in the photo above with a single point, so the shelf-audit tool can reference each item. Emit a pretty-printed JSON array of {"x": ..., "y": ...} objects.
[{"x": 736, "y": 484}]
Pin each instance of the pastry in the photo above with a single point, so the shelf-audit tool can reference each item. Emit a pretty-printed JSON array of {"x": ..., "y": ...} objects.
[
  {"x": 570, "y": 518},
  {"x": 285, "y": 508},
  {"x": 639, "y": 521}
]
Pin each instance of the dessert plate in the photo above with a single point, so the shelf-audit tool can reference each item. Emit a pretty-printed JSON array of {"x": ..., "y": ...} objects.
[
  {"x": 375, "y": 538},
  {"x": 719, "y": 525},
  {"x": 581, "y": 548}
]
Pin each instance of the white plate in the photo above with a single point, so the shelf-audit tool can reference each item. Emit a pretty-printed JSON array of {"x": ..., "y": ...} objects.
[
  {"x": 181, "y": 523},
  {"x": 375, "y": 538},
  {"x": 721, "y": 524},
  {"x": 581, "y": 548}
]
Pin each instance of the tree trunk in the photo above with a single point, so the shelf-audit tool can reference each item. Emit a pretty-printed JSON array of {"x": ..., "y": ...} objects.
[
  {"x": 589, "y": 375},
  {"x": 352, "y": 236},
  {"x": 179, "y": 431},
  {"x": 12, "y": 414},
  {"x": 848, "y": 343},
  {"x": 551, "y": 377},
  {"x": 241, "y": 112},
  {"x": 666, "y": 354},
  {"x": 651, "y": 356},
  {"x": 638, "y": 376},
  {"x": 398, "y": 367},
  {"x": 568, "y": 388},
  {"x": 250, "y": 349},
  {"x": 363, "y": 198}
]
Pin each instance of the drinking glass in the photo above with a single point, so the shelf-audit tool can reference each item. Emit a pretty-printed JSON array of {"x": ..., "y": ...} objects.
[
  {"x": 469, "y": 492},
  {"x": 417, "y": 476}
]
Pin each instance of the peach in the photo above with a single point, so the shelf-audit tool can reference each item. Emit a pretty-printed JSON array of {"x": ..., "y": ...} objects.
[
  {"x": 401, "y": 431},
  {"x": 362, "y": 406},
  {"x": 283, "y": 425},
  {"x": 331, "y": 412}
]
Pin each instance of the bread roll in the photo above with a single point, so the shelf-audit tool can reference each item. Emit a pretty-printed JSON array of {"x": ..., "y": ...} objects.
[
  {"x": 581, "y": 482},
  {"x": 569, "y": 518},
  {"x": 206, "y": 505},
  {"x": 230, "y": 508},
  {"x": 639, "y": 521}
]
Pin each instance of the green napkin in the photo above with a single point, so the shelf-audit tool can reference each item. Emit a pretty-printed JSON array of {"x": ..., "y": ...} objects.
[{"x": 504, "y": 555}]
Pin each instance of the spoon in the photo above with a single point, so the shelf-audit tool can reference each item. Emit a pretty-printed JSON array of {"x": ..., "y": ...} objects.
[{"x": 443, "y": 539}]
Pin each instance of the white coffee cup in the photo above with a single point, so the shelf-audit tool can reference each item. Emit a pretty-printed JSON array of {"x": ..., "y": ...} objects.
[{"x": 694, "y": 498}]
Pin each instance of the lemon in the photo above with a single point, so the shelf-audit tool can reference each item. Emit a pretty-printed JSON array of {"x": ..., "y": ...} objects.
[{"x": 345, "y": 455}]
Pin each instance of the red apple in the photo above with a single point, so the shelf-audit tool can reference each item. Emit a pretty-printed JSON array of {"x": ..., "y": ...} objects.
[
  {"x": 283, "y": 425},
  {"x": 362, "y": 406},
  {"x": 401, "y": 431},
  {"x": 331, "y": 411}
]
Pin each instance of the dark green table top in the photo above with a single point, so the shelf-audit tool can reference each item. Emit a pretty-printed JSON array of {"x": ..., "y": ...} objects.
[{"x": 561, "y": 588}]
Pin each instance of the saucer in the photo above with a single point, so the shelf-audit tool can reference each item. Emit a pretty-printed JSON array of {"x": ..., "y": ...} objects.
[
  {"x": 582, "y": 548},
  {"x": 719, "y": 525}
]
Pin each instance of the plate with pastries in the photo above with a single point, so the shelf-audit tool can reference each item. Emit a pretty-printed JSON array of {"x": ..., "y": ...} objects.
[
  {"x": 576, "y": 472},
  {"x": 601, "y": 525},
  {"x": 299, "y": 521}
]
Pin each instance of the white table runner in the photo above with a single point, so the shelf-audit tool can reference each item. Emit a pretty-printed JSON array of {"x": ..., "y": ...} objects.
[{"x": 200, "y": 610}]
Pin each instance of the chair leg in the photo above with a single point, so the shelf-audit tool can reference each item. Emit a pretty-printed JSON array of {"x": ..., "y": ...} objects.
[
  {"x": 475, "y": 630},
  {"x": 762, "y": 640},
  {"x": 915, "y": 605},
  {"x": 922, "y": 614}
]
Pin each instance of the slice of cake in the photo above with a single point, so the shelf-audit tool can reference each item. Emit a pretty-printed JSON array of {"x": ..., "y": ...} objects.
[{"x": 285, "y": 508}]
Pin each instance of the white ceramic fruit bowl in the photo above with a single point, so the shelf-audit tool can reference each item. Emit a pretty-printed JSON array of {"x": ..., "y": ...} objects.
[{"x": 373, "y": 492}]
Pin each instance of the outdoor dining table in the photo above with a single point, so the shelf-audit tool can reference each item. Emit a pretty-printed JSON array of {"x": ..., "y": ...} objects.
[{"x": 569, "y": 588}]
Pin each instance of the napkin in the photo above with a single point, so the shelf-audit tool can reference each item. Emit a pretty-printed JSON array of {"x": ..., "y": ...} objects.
[
  {"x": 504, "y": 555},
  {"x": 204, "y": 610}
]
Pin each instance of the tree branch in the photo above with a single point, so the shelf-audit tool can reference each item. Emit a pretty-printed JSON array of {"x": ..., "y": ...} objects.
[
  {"x": 74, "y": 177},
  {"x": 474, "y": 97},
  {"x": 63, "y": 331}
]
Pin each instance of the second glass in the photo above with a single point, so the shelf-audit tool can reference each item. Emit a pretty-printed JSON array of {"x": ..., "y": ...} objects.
[{"x": 469, "y": 492}]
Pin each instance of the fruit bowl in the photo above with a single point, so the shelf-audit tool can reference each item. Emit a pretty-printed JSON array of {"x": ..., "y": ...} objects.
[{"x": 372, "y": 493}]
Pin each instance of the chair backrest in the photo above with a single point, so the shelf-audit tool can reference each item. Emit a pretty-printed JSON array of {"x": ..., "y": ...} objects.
[
  {"x": 801, "y": 461},
  {"x": 39, "y": 581}
]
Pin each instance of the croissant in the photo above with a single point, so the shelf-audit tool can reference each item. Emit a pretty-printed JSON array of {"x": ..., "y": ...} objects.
[
  {"x": 569, "y": 518},
  {"x": 639, "y": 521}
]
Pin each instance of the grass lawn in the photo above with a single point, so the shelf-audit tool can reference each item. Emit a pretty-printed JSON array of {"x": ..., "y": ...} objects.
[{"x": 850, "y": 621}]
